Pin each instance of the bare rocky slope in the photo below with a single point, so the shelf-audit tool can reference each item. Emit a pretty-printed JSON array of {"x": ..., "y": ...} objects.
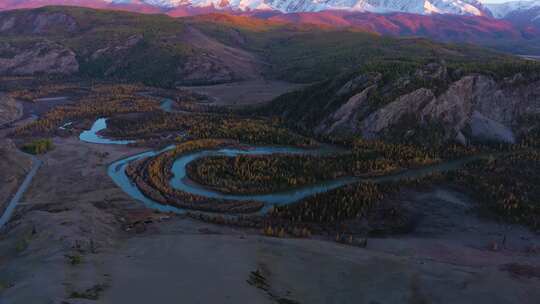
[
  {"x": 106, "y": 44},
  {"x": 465, "y": 107},
  {"x": 39, "y": 57}
]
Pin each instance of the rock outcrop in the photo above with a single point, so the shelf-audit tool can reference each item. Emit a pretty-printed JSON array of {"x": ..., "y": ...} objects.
[
  {"x": 474, "y": 108},
  {"x": 42, "y": 57},
  {"x": 347, "y": 115},
  {"x": 116, "y": 49},
  {"x": 409, "y": 104},
  {"x": 345, "y": 118}
]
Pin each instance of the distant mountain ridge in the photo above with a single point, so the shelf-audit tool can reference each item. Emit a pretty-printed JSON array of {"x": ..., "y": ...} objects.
[
  {"x": 510, "y": 27},
  {"x": 528, "y": 9},
  {"x": 502, "y": 10},
  {"x": 204, "y": 49},
  {"x": 458, "y": 7}
]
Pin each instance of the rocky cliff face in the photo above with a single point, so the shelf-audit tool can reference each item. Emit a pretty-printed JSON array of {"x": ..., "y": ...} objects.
[
  {"x": 345, "y": 118},
  {"x": 39, "y": 57},
  {"x": 468, "y": 108},
  {"x": 474, "y": 108}
]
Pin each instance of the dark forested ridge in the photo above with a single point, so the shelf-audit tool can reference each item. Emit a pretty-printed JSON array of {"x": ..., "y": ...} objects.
[{"x": 164, "y": 51}]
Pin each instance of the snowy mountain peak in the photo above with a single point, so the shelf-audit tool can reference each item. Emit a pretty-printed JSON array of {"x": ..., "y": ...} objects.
[
  {"x": 460, "y": 7},
  {"x": 501, "y": 10},
  {"x": 527, "y": 10}
]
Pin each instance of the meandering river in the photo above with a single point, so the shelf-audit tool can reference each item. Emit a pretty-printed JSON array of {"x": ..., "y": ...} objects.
[
  {"x": 181, "y": 181},
  {"x": 92, "y": 136}
]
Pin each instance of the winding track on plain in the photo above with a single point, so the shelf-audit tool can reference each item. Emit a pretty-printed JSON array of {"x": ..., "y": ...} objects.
[{"x": 8, "y": 212}]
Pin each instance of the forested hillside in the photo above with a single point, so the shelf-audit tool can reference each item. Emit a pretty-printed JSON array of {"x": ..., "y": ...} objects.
[{"x": 207, "y": 49}]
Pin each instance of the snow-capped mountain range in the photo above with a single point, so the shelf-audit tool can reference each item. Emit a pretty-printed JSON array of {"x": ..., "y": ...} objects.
[
  {"x": 460, "y": 7},
  {"x": 519, "y": 12},
  {"x": 501, "y": 10},
  {"x": 424, "y": 7},
  {"x": 524, "y": 9}
]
